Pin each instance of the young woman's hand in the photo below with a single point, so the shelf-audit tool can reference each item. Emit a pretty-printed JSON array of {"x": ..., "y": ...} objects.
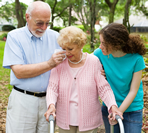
[
  {"x": 115, "y": 111},
  {"x": 51, "y": 111},
  {"x": 103, "y": 73}
]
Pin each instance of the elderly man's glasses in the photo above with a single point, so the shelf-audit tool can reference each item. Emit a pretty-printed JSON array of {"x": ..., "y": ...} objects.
[{"x": 41, "y": 23}]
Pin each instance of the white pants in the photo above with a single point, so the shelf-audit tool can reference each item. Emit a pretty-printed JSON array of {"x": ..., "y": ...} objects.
[{"x": 25, "y": 114}]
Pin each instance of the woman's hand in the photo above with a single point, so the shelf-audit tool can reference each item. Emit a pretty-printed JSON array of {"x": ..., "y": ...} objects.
[
  {"x": 103, "y": 73},
  {"x": 115, "y": 111},
  {"x": 51, "y": 111}
]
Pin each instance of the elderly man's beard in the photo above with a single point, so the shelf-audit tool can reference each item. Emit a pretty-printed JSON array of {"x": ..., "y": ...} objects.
[{"x": 39, "y": 31}]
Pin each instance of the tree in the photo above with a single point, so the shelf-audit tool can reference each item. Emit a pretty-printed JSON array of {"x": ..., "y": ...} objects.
[
  {"x": 126, "y": 15},
  {"x": 8, "y": 11},
  {"x": 57, "y": 8},
  {"x": 92, "y": 4},
  {"x": 61, "y": 9},
  {"x": 112, "y": 6},
  {"x": 140, "y": 6},
  {"x": 88, "y": 11},
  {"x": 19, "y": 14}
]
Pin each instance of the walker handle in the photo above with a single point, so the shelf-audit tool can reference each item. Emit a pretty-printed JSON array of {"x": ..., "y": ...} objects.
[
  {"x": 51, "y": 121},
  {"x": 118, "y": 118},
  {"x": 51, "y": 118}
]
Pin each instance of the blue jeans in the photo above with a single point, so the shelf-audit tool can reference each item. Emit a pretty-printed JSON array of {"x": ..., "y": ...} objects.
[{"x": 132, "y": 121}]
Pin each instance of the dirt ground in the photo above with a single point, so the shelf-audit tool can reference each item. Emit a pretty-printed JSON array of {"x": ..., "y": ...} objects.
[{"x": 4, "y": 93}]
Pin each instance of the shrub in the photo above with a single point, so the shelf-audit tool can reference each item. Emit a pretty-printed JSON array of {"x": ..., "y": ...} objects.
[
  {"x": 81, "y": 27},
  {"x": 144, "y": 38},
  {"x": 8, "y": 27},
  {"x": 57, "y": 28},
  {"x": 96, "y": 40},
  {"x": 3, "y": 36}
]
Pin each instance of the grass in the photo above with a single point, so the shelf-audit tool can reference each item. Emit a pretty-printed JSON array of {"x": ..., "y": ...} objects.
[{"x": 4, "y": 73}]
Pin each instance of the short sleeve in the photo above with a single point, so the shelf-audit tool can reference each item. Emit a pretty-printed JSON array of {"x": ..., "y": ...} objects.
[
  {"x": 140, "y": 64},
  {"x": 97, "y": 52},
  {"x": 13, "y": 53}
]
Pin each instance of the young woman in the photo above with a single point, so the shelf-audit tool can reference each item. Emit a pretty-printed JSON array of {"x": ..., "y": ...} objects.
[
  {"x": 75, "y": 85},
  {"x": 121, "y": 56}
]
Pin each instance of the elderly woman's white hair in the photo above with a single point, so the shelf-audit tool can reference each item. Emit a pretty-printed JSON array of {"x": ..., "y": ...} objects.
[
  {"x": 72, "y": 35},
  {"x": 33, "y": 5}
]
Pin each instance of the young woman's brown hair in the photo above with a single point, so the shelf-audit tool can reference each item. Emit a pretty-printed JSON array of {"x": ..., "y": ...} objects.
[{"x": 119, "y": 38}]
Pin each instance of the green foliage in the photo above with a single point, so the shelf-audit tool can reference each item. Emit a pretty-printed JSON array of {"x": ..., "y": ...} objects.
[
  {"x": 57, "y": 28},
  {"x": 140, "y": 6},
  {"x": 86, "y": 48},
  {"x": 8, "y": 27},
  {"x": 81, "y": 27},
  {"x": 144, "y": 37},
  {"x": 8, "y": 12},
  {"x": 4, "y": 73},
  {"x": 146, "y": 45},
  {"x": 3, "y": 35},
  {"x": 120, "y": 7},
  {"x": 144, "y": 72},
  {"x": 60, "y": 9},
  {"x": 146, "y": 60},
  {"x": 96, "y": 40}
]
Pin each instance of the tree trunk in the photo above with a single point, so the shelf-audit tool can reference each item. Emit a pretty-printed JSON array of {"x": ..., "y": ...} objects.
[
  {"x": 70, "y": 10},
  {"x": 112, "y": 7},
  {"x": 126, "y": 15},
  {"x": 93, "y": 19},
  {"x": 53, "y": 12},
  {"x": 19, "y": 14}
]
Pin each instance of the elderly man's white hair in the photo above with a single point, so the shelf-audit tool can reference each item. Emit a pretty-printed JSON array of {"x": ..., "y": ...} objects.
[{"x": 33, "y": 5}]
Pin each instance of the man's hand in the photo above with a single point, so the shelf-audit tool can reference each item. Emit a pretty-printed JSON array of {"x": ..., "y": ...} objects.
[
  {"x": 51, "y": 111},
  {"x": 57, "y": 58},
  {"x": 33, "y": 70}
]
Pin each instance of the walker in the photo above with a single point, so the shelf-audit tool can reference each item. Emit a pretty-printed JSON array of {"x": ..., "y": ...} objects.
[
  {"x": 120, "y": 124},
  {"x": 51, "y": 121}
]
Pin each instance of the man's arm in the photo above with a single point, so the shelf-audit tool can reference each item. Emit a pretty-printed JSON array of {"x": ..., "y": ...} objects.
[{"x": 33, "y": 70}]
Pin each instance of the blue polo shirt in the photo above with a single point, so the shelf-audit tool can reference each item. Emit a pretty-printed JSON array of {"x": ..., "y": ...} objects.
[
  {"x": 119, "y": 73},
  {"x": 23, "y": 48}
]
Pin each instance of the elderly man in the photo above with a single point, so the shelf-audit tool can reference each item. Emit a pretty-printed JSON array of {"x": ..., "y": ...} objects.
[{"x": 29, "y": 55}]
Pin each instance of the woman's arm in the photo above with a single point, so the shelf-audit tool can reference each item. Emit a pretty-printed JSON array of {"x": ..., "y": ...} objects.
[
  {"x": 133, "y": 91},
  {"x": 53, "y": 86},
  {"x": 51, "y": 111}
]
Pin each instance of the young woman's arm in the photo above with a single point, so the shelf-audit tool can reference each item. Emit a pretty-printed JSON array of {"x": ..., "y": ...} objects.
[{"x": 133, "y": 91}]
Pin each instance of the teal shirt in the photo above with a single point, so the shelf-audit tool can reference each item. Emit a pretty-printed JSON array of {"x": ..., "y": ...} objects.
[{"x": 119, "y": 73}]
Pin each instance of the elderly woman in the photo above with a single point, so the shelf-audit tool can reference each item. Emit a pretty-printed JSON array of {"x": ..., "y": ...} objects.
[{"x": 74, "y": 86}]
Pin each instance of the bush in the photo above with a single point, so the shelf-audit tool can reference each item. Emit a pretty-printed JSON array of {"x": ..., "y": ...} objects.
[
  {"x": 81, "y": 27},
  {"x": 57, "y": 28},
  {"x": 96, "y": 40},
  {"x": 8, "y": 27},
  {"x": 3, "y": 36},
  {"x": 144, "y": 38}
]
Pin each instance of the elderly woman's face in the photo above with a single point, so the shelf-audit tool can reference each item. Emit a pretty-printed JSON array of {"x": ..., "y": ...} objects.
[
  {"x": 103, "y": 46},
  {"x": 73, "y": 51}
]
